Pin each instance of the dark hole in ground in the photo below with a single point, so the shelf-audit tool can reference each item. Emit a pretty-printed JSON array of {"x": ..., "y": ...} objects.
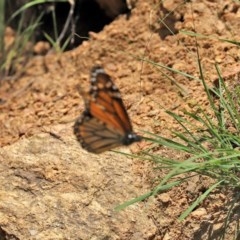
[{"x": 89, "y": 15}]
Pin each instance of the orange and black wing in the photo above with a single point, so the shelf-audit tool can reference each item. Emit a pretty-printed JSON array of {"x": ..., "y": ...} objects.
[{"x": 105, "y": 123}]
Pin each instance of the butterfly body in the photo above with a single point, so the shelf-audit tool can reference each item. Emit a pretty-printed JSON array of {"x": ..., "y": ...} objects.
[{"x": 105, "y": 123}]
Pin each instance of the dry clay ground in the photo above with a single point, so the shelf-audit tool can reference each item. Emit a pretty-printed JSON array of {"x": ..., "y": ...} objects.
[{"x": 52, "y": 189}]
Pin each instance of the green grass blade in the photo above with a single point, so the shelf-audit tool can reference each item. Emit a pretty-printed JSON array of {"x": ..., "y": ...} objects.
[
  {"x": 2, "y": 26},
  {"x": 198, "y": 201},
  {"x": 31, "y": 4},
  {"x": 144, "y": 196}
]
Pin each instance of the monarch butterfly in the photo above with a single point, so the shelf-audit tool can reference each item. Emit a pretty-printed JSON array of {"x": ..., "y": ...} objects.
[{"x": 105, "y": 123}]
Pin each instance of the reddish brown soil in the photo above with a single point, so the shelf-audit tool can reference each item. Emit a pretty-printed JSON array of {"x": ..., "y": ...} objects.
[{"x": 52, "y": 189}]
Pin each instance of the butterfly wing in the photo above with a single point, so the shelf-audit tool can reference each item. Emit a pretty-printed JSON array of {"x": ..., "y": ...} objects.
[
  {"x": 95, "y": 136},
  {"x": 107, "y": 104},
  {"x": 105, "y": 123}
]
